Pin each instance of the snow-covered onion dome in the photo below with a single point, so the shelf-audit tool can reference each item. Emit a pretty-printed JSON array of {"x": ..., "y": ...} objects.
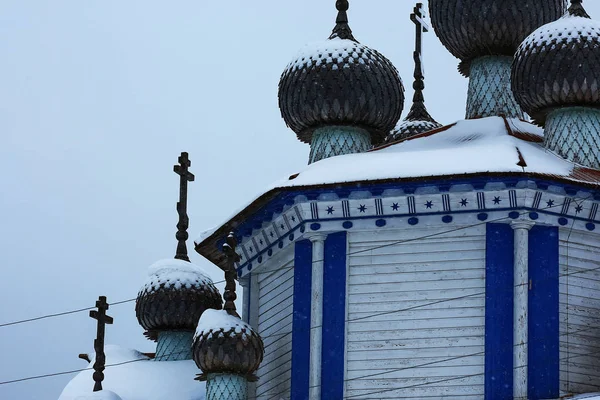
[
  {"x": 558, "y": 65},
  {"x": 409, "y": 128},
  {"x": 224, "y": 344},
  {"x": 174, "y": 297},
  {"x": 556, "y": 77},
  {"x": 340, "y": 82},
  {"x": 474, "y": 28}
]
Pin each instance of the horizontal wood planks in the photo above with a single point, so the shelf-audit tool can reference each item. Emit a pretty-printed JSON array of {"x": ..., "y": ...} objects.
[
  {"x": 405, "y": 338},
  {"x": 276, "y": 290},
  {"x": 579, "y": 311}
]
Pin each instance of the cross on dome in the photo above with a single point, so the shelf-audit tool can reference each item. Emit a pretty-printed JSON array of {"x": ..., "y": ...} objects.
[{"x": 185, "y": 176}]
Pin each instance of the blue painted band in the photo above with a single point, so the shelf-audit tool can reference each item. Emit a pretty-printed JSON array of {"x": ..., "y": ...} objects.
[
  {"x": 334, "y": 317},
  {"x": 301, "y": 320},
  {"x": 544, "y": 364},
  {"x": 499, "y": 312}
]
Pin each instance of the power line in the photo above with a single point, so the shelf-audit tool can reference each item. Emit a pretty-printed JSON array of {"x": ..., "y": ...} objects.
[
  {"x": 313, "y": 262},
  {"x": 356, "y": 319}
]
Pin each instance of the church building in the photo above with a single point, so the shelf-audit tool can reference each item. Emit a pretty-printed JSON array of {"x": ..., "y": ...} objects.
[{"x": 409, "y": 259}]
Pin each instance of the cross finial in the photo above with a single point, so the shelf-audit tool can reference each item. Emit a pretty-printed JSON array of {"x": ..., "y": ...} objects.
[
  {"x": 229, "y": 294},
  {"x": 576, "y": 9},
  {"x": 185, "y": 176},
  {"x": 342, "y": 29},
  {"x": 418, "y": 112},
  {"x": 103, "y": 320}
]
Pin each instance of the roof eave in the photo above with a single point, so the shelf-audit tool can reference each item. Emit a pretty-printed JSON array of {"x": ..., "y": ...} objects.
[{"x": 208, "y": 247}]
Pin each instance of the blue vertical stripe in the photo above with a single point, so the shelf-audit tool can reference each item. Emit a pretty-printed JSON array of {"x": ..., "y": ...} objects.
[
  {"x": 499, "y": 259},
  {"x": 543, "y": 356},
  {"x": 301, "y": 320},
  {"x": 334, "y": 317}
]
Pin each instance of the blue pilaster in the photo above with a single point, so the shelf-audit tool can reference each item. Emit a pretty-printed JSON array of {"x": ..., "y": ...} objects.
[
  {"x": 499, "y": 260},
  {"x": 334, "y": 317},
  {"x": 301, "y": 320},
  {"x": 544, "y": 365}
]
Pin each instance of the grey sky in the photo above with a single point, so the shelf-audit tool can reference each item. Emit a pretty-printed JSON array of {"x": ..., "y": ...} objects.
[{"x": 98, "y": 100}]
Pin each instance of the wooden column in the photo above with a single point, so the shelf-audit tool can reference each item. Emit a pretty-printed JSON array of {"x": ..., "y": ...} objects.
[
  {"x": 316, "y": 314},
  {"x": 521, "y": 308}
]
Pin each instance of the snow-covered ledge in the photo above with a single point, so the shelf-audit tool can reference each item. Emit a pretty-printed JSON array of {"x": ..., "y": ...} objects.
[
  {"x": 521, "y": 307},
  {"x": 316, "y": 313}
]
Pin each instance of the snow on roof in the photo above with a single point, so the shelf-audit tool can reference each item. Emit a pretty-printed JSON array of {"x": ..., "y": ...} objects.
[
  {"x": 476, "y": 146},
  {"x": 139, "y": 378},
  {"x": 469, "y": 146},
  {"x": 101, "y": 395},
  {"x": 175, "y": 273},
  {"x": 219, "y": 320}
]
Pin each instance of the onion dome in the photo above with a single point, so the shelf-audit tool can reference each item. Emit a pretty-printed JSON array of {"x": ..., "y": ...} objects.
[
  {"x": 341, "y": 82},
  {"x": 408, "y": 128},
  {"x": 225, "y": 344},
  {"x": 558, "y": 65},
  {"x": 474, "y": 28},
  {"x": 174, "y": 297}
]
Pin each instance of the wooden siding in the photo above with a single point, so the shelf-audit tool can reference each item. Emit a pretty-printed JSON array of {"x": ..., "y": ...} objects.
[
  {"x": 275, "y": 295},
  {"x": 579, "y": 311},
  {"x": 414, "y": 346}
]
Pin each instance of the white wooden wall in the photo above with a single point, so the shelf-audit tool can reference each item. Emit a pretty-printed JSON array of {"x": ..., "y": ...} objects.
[
  {"x": 275, "y": 295},
  {"x": 579, "y": 311},
  {"x": 407, "y": 275}
]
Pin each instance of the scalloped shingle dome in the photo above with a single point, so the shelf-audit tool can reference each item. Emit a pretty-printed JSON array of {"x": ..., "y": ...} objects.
[
  {"x": 558, "y": 65},
  {"x": 341, "y": 82},
  {"x": 174, "y": 297},
  {"x": 408, "y": 128},
  {"x": 226, "y": 344},
  {"x": 476, "y": 28}
]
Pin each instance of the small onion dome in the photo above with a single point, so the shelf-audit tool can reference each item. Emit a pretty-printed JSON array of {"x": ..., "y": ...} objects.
[
  {"x": 558, "y": 65},
  {"x": 225, "y": 344},
  {"x": 408, "y": 128},
  {"x": 474, "y": 28},
  {"x": 341, "y": 82},
  {"x": 174, "y": 297}
]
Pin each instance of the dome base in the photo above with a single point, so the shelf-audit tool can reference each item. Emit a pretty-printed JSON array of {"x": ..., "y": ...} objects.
[
  {"x": 574, "y": 134},
  {"x": 333, "y": 141},
  {"x": 490, "y": 91},
  {"x": 174, "y": 346},
  {"x": 226, "y": 387}
]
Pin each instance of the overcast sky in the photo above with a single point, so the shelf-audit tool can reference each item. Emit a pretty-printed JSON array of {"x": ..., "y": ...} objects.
[{"x": 97, "y": 100}]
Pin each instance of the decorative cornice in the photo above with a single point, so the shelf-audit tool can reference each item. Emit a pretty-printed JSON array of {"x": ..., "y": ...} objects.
[{"x": 456, "y": 205}]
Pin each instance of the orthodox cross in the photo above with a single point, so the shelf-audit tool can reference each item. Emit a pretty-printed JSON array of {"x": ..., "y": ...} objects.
[
  {"x": 102, "y": 319},
  {"x": 185, "y": 176},
  {"x": 232, "y": 257},
  {"x": 418, "y": 18}
]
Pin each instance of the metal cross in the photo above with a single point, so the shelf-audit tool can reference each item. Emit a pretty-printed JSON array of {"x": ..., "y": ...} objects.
[
  {"x": 102, "y": 319},
  {"x": 185, "y": 176},
  {"x": 418, "y": 18}
]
